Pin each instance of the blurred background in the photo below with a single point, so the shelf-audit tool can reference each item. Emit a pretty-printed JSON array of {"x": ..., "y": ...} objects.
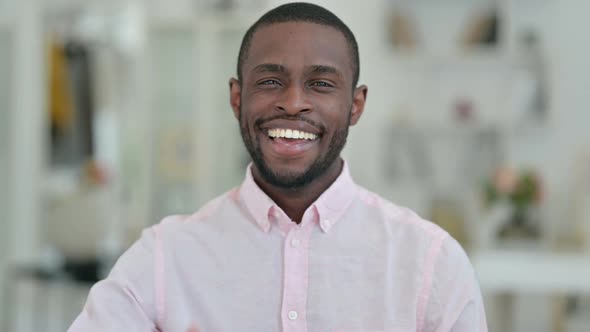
[{"x": 114, "y": 114}]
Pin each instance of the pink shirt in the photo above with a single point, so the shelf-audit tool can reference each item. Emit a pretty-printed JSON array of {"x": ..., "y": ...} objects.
[{"x": 355, "y": 263}]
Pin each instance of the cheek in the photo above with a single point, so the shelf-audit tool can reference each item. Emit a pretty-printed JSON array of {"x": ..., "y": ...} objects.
[
  {"x": 337, "y": 116},
  {"x": 254, "y": 109}
]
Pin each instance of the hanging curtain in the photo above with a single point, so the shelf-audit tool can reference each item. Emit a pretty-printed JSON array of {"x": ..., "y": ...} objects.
[
  {"x": 79, "y": 61},
  {"x": 71, "y": 104},
  {"x": 60, "y": 94}
]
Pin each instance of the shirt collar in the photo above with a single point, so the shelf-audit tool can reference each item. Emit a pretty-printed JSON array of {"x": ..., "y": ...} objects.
[{"x": 330, "y": 206}]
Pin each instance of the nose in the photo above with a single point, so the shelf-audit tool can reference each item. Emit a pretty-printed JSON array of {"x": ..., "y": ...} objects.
[{"x": 294, "y": 100}]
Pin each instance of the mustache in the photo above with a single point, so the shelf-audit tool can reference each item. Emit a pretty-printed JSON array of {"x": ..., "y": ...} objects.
[{"x": 262, "y": 121}]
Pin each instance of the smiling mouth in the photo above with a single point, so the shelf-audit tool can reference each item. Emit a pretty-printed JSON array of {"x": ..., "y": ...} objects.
[{"x": 292, "y": 134}]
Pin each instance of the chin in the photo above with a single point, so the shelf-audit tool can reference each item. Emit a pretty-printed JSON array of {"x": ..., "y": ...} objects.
[
  {"x": 286, "y": 174},
  {"x": 289, "y": 167}
]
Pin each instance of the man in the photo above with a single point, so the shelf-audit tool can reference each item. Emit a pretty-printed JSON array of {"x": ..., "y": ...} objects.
[{"x": 298, "y": 246}]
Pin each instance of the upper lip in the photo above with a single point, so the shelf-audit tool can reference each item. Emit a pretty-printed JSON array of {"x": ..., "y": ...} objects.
[{"x": 291, "y": 124}]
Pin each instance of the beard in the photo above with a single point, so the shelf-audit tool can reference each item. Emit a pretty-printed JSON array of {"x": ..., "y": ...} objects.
[{"x": 293, "y": 180}]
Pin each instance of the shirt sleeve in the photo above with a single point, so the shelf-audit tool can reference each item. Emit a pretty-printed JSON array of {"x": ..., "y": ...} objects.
[
  {"x": 124, "y": 301},
  {"x": 455, "y": 303}
]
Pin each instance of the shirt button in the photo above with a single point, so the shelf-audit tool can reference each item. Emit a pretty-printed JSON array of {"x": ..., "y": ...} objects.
[
  {"x": 326, "y": 222},
  {"x": 295, "y": 243},
  {"x": 293, "y": 315}
]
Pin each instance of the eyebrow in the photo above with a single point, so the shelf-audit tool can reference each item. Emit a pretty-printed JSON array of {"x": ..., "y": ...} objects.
[
  {"x": 273, "y": 67},
  {"x": 270, "y": 67},
  {"x": 279, "y": 68},
  {"x": 323, "y": 69}
]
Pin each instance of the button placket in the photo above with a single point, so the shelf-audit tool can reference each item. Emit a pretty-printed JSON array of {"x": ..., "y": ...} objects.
[{"x": 295, "y": 278}]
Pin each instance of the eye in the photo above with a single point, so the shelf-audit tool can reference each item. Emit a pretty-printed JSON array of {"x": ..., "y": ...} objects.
[
  {"x": 269, "y": 82},
  {"x": 321, "y": 84}
]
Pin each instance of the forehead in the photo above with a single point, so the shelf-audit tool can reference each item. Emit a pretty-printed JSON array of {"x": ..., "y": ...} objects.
[{"x": 298, "y": 45}]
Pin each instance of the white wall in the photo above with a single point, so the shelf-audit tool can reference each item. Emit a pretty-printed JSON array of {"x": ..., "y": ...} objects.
[
  {"x": 27, "y": 134},
  {"x": 21, "y": 102},
  {"x": 5, "y": 62}
]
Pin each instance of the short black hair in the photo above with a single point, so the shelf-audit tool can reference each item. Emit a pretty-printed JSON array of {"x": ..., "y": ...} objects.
[{"x": 302, "y": 12}]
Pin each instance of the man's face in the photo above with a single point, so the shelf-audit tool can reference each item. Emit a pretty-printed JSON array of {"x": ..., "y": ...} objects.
[{"x": 296, "y": 101}]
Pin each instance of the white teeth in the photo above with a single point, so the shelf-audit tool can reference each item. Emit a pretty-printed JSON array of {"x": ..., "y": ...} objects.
[{"x": 290, "y": 133}]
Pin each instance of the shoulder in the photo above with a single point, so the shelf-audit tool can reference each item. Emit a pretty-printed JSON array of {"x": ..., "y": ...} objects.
[
  {"x": 441, "y": 250},
  {"x": 448, "y": 290},
  {"x": 207, "y": 216},
  {"x": 402, "y": 221}
]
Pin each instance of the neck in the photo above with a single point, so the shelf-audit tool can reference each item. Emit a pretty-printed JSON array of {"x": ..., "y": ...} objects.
[{"x": 294, "y": 201}]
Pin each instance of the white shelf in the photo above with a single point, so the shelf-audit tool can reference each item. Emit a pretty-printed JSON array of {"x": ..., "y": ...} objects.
[{"x": 521, "y": 271}]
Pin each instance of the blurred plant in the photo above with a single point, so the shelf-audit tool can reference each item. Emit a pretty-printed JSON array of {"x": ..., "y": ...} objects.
[
  {"x": 521, "y": 190},
  {"x": 94, "y": 174}
]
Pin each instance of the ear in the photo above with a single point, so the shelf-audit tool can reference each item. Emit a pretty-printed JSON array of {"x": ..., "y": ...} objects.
[
  {"x": 235, "y": 100},
  {"x": 358, "y": 103}
]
